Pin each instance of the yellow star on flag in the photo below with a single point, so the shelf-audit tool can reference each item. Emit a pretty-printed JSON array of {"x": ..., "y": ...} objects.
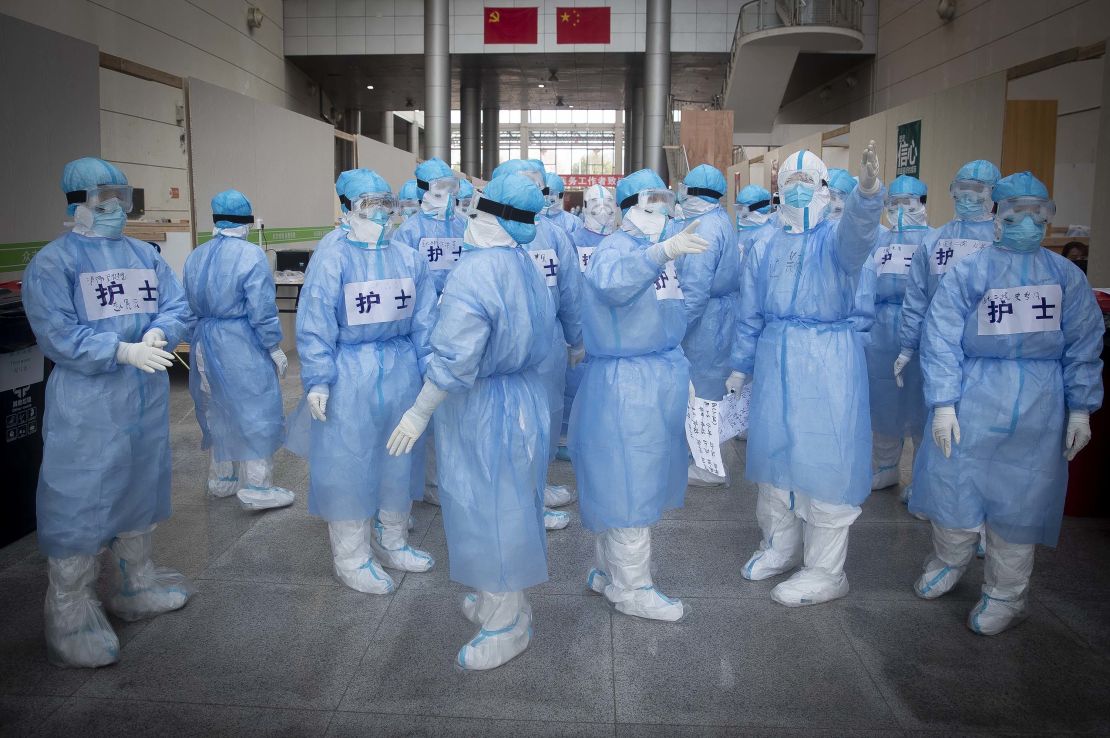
[{"x": 565, "y": 17}]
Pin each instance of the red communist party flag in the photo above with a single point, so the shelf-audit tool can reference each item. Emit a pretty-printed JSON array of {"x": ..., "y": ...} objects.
[
  {"x": 582, "y": 25},
  {"x": 511, "y": 25}
]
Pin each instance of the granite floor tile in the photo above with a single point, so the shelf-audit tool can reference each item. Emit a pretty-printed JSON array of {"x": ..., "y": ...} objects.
[{"x": 353, "y": 724}]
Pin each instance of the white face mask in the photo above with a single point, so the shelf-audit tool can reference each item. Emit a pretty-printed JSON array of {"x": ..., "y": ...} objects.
[
  {"x": 483, "y": 232},
  {"x": 438, "y": 204},
  {"x": 649, "y": 225},
  {"x": 695, "y": 206},
  {"x": 365, "y": 230},
  {"x": 239, "y": 231},
  {"x": 799, "y": 220}
]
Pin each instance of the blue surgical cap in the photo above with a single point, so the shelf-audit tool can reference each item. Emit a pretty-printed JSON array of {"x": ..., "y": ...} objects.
[
  {"x": 430, "y": 169},
  {"x": 841, "y": 180},
  {"x": 87, "y": 173},
  {"x": 751, "y": 194},
  {"x": 520, "y": 192},
  {"x": 708, "y": 179},
  {"x": 466, "y": 189},
  {"x": 409, "y": 191},
  {"x": 635, "y": 183},
  {"x": 904, "y": 184},
  {"x": 979, "y": 170},
  {"x": 355, "y": 182},
  {"x": 231, "y": 202},
  {"x": 1022, "y": 184},
  {"x": 555, "y": 184}
]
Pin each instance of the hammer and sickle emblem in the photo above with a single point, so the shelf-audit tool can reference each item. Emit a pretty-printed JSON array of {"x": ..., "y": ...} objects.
[{"x": 495, "y": 16}]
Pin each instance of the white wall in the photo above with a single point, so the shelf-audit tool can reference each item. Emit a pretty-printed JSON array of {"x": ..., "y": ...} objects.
[
  {"x": 40, "y": 132},
  {"x": 394, "y": 164}
]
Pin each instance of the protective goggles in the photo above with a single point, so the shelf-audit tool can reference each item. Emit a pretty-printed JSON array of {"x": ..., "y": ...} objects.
[
  {"x": 405, "y": 204},
  {"x": 441, "y": 186},
  {"x": 601, "y": 211},
  {"x": 373, "y": 204},
  {"x": 810, "y": 177},
  {"x": 969, "y": 188},
  {"x": 652, "y": 201},
  {"x": 1015, "y": 210},
  {"x": 103, "y": 198},
  {"x": 908, "y": 203}
]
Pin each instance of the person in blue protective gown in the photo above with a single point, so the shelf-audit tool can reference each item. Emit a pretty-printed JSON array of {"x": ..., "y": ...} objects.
[
  {"x": 492, "y": 423},
  {"x": 897, "y": 404},
  {"x": 755, "y": 219},
  {"x": 234, "y": 354},
  {"x": 802, "y": 309},
  {"x": 600, "y": 219},
  {"x": 103, "y": 308},
  {"x": 436, "y": 230},
  {"x": 556, "y": 260},
  {"x": 627, "y": 427},
  {"x": 556, "y": 211},
  {"x": 464, "y": 199},
  {"x": 709, "y": 282},
  {"x": 1010, "y": 354},
  {"x": 363, "y": 322},
  {"x": 841, "y": 184},
  {"x": 408, "y": 200},
  {"x": 971, "y": 230}
]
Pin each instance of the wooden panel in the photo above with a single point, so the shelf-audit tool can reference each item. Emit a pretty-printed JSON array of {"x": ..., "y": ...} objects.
[
  {"x": 707, "y": 136},
  {"x": 1029, "y": 139}
]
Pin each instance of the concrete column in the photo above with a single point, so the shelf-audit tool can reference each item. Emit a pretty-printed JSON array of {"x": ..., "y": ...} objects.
[
  {"x": 437, "y": 80},
  {"x": 1098, "y": 261},
  {"x": 637, "y": 129},
  {"x": 618, "y": 149},
  {"x": 657, "y": 82},
  {"x": 414, "y": 139},
  {"x": 627, "y": 159},
  {"x": 491, "y": 139},
  {"x": 387, "y": 127},
  {"x": 470, "y": 130},
  {"x": 524, "y": 136}
]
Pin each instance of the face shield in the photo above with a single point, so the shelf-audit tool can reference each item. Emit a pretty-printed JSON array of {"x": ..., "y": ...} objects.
[
  {"x": 657, "y": 201},
  {"x": 650, "y": 212},
  {"x": 601, "y": 216}
]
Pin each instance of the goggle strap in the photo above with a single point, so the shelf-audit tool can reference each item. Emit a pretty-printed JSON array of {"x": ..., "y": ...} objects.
[
  {"x": 423, "y": 184},
  {"x": 704, "y": 192},
  {"x": 507, "y": 212},
  {"x": 242, "y": 219},
  {"x": 76, "y": 197},
  {"x": 346, "y": 202},
  {"x": 546, "y": 191},
  {"x": 757, "y": 205},
  {"x": 630, "y": 201}
]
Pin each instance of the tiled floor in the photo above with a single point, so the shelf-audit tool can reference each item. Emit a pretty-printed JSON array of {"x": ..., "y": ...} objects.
[{"x": 272, "y": 644}]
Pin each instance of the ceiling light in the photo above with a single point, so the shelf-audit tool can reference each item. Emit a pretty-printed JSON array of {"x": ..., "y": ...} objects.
[
  {"x": 540, "y": 85},
  {"x": 369, "y": 87}
]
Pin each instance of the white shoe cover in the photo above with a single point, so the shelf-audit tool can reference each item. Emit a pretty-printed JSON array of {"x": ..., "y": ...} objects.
[
  {"x": 597, "y": 581},
  {"x": 810, "y": 587},
  {"x": 506, "y": 630},
  {"x": 905, "y": 495},
  {"x": 626, "y": 552},
  {"x": 555, "y": 519},
  {"x": 887, "y": 477},
  {"x": 937, "y": 579},
  {"x": 354, "y": 562},
  {"x": 780, "y": 549},
  {"x": 952, "y": 552},
  {"x": 649, "y": 603},
  {"x": 269, "y": 498},
  {"x": 223, "y": 478},
  {"x": 1006, "y": 573},
  {"x": 992, "y": 616},
  {"x": 557, "y": 495},
  {"x": 142, "y": 589},
  {"x": 697, "y": 477},
  {"x": 389, "y": 542},
  {"x": 77, "y": 631},
  {"x": 470, "y": 607}
]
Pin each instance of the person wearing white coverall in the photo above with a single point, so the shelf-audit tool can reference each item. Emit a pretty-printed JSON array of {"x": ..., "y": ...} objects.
[
  {"x": 483, "y": 384},
  {"x": 363, "y": 323},
  {"x": 555, "y": 212},
  {"x": 799, "y": 332},
  {"x": 897, "y": 403},
  {"x": 103, "y": 307},
  {"x": 236, "y": 360},
  {"x": 943, "y": 248},
  {"x": 1010, "y": 354}
]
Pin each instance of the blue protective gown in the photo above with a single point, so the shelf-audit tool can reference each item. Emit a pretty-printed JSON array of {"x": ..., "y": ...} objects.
[
  {"x": 1013, "y": 341},
  {"x": 556, "y": 261},
  {"x": 373, "y": 370},
  {"x": 493, "y": 332},
  {"x": 585, "y": 243},
  {"x": 231, "y": 292},
  {"x": 896, "y": 411},
  {"x": 627, "y": 427},
  {"x": 106, "y": 456},
  {"x": 439, "y": 242},
  {"x": 709, "y": 284},
  {"x": 938, "y": 254},
  {"x": 803, "y": 312},
  {"x": 569, "y": 224}
]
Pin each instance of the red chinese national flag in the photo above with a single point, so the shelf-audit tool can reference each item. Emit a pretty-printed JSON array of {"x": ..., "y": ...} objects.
[
  {"x": 582, "y": 25},
  {"x": 511, "y": 25}
]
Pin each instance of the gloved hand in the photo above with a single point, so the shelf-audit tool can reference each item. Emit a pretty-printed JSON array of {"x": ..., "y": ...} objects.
[
  {"x": 155, "y": 337},
  {"x": 686, "y": 242},
  {"x": 415, "y": 420},
  {"x": 946, "y": 429},
  {"x": 148, "y": 358},
  {"x": 281, "y": 361},
  {"x": 575, "y": 355},
  {"x": 900, "y": 364},
  {"x": 736, "y": 382},
  {"x": 318, "y": 402},
  {"x": 869, "y": 170},
  {"x": 1078, "y": 434}
]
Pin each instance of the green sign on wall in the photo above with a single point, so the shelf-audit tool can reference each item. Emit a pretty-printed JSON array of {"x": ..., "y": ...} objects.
[{"x": 909, "y": 149}]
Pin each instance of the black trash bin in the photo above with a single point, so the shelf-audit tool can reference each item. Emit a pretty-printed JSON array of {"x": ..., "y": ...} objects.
[{"x": 23, "y": 372}]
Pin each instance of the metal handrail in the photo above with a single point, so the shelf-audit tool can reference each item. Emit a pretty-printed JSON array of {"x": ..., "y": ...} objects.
[{"x": 764, "y": 15}]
